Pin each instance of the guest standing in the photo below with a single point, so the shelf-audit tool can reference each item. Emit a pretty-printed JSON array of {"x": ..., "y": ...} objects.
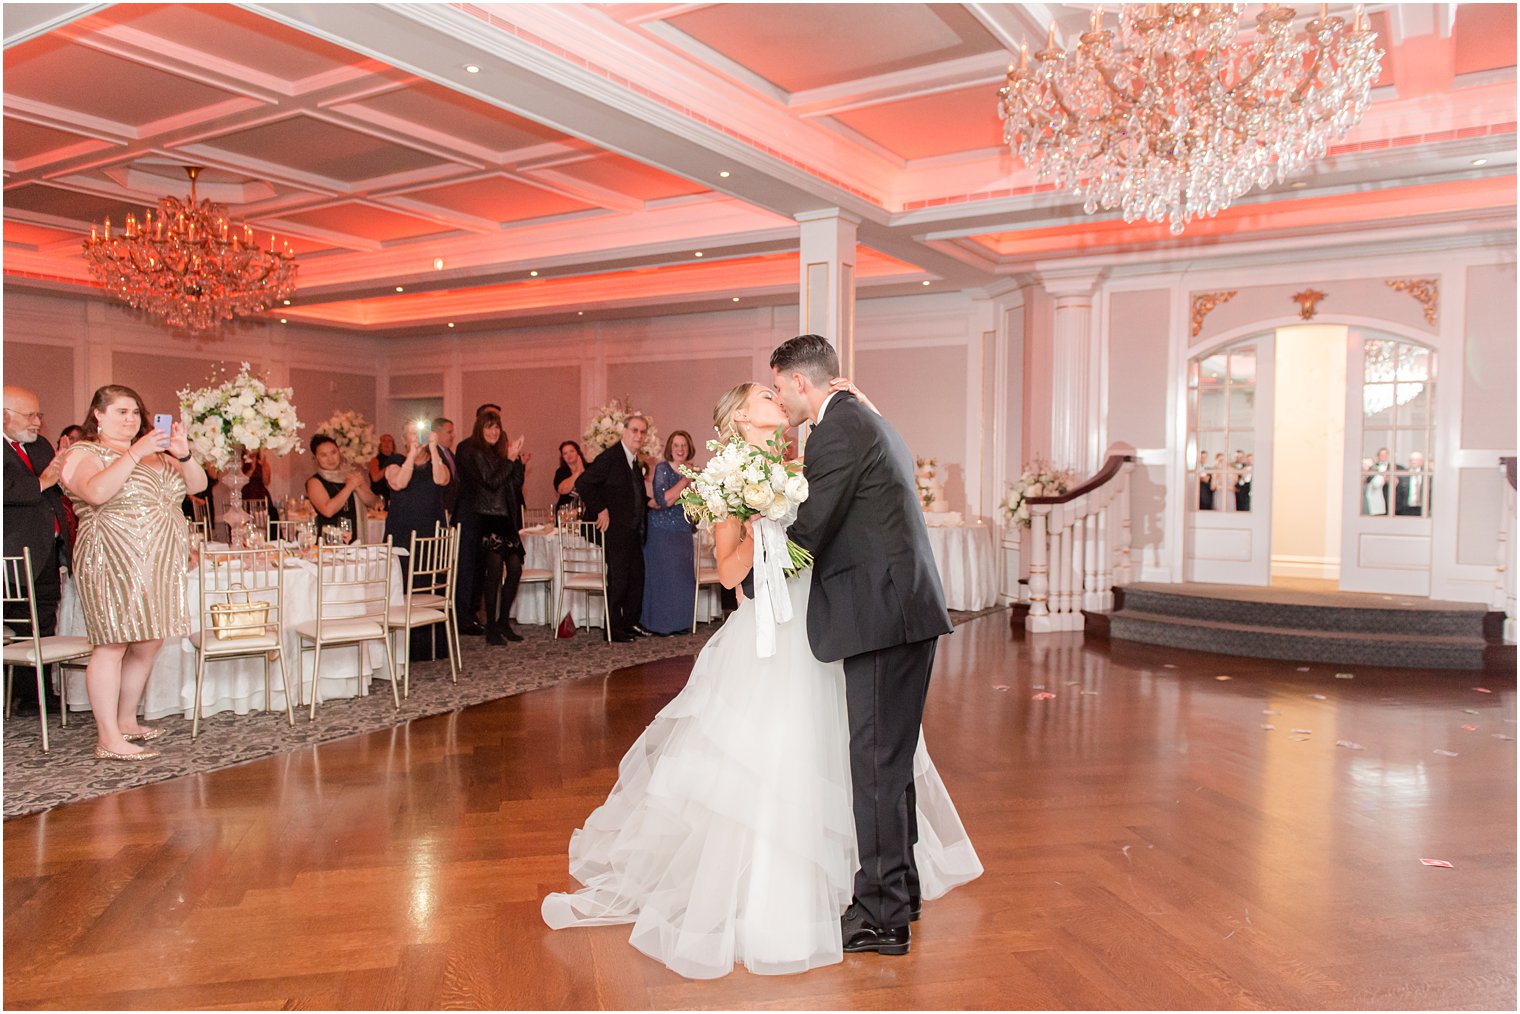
[
  {"x": 417, "y": 491},
  {"x": 444, "y": 448},
  {"x": 467, "y": 592},
  {"x": 130, "y": 563},
  {"x": 670, "y": 583},
  {"x": 1375, "y": 486},
  {"x": 256, "y": 467},
  {"x": 1243, "y": 470},
  {"x": 571, "y": 464},
  {"x": 385, "y": 458},
  {"x": 1412, "y": 488},
  {"x": 491, "y": 480},
  {"x": 1205, "y": 483},
  {"x": 68, "y": 437},
  {"x": 34, "y": 516},
  {"x": 612, "y": 488},
  {"x": 335, "y": 491}
]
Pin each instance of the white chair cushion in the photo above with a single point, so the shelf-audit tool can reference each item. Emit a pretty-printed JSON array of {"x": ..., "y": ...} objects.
[
  {"x": 213, "y": 645},
  {"x": 536, "y": 576},
  {"x": 54, "y": 649},
  {"x": 420, "y": 617},
  {"x": 427, "y": 600},
  {"x": 358, "y": 628},
  {"x": 584, "y": 582}
]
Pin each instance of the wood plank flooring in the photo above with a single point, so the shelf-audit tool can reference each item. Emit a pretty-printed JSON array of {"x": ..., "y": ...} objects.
[{"x": 1148, "y": 845}]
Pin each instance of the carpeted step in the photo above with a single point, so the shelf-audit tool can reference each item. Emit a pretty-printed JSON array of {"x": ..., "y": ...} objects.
[
  {"x": 1404, "y": 649},
  {"x": 1445, "y": 620}
]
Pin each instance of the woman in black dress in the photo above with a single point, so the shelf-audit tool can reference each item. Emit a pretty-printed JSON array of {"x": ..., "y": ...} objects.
[
  {"x": 385, "y": 458},
  {"x": 256, "y": 468},
  {"x": 333, "y": 489},
  {"x": 417, "y": 506},
  {"x": 491, "y": 470},
  {"x": 571, "y": 464}
]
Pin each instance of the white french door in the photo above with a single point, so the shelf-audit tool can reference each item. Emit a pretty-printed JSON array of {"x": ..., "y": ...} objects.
[
  {"x": 1389, "y": 471},
  {"x": 1228, "y": 528}
]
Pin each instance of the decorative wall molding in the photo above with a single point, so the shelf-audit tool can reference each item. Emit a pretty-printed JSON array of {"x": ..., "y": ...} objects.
[
  {"x": 1426, "y": 291},
  {"x": 1204, "y": 303},
  {"x": 1308, "y": 302}
]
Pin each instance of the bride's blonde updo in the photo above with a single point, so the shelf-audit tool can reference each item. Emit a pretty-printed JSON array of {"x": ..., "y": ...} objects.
[{"x": 723, "y": 413}]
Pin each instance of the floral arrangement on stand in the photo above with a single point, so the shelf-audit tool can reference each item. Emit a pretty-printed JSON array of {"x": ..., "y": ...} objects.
[
  {"x": 1039, "y": 479},
  {"x": 743, "y": 481},
  {"x": 606, "y": 428},
  {"x": 929, "y": 483},
  {"x": 354, "y": 435},
  {"x": 243, "y": 413}
]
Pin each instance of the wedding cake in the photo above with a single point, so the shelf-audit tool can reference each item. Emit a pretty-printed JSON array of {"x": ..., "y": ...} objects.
[{"x": 930, "y": 481}]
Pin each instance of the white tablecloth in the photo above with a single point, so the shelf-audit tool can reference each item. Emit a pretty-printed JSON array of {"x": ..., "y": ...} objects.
[
  {"x": 534, "y": 601},
  {"x": 238, "y": 684},
  {"x": 966, "y": 556}
]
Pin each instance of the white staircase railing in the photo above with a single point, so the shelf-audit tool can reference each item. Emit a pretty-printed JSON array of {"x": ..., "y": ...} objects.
[
  {"x": 1079, "y": 548},
  {"x": 1504, "y": 580}
]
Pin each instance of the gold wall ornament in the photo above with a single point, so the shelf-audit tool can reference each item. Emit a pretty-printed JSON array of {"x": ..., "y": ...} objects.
[
  {"x": 1426, "y": 291},
  {"x": 1204, "y": 303},
  {"x": 1308, "y": 302}
]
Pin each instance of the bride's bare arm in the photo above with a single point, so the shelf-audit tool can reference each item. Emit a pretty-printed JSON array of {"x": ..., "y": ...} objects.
[
  {"x": 734, "y": 547},
  {"x": 845, "y": 384}
]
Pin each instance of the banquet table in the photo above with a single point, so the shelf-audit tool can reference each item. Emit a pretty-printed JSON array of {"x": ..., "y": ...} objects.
[
  {"x": 966, "y": 557},
  {"x": 535, "y": 601},
  {"x": 237, "y": 684}
]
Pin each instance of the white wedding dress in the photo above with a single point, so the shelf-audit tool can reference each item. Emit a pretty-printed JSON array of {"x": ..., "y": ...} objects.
[{"x": 729, "y": 836}]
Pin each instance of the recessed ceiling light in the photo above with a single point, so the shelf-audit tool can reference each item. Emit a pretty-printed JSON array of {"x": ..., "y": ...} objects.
[
  {"x": 284, "y": 321},
  {"x": 400, "y": 289},
  {"x": 287, "y": 302},
  {"x": 451, "y": 323},
  {"x": 697, "y": 254},
  {"x": 736, "y": 299},
  {"x": 580, "y": 313},
  {"x": 724, "y": 174},
  {"x": 470, "y": 68},
  {"x": 1480, "y": 161},
  {"x": 437, "y": 263},
  {"x": 926, "y": 281},
  {"x": 533, "y": 273}
]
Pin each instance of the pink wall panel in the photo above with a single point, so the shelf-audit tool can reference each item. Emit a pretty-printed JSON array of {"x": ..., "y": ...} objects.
[
  {"x": 48, "y": 372},
  {"x": 541, "y": 403},
  {"x": 1488, "y": 394},
  {"x": 1137, "y": 365}
]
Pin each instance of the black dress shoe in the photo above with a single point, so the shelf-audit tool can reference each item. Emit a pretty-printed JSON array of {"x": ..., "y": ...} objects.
[
  {"x": 471, "y": 629},
  {"x": 509, "y": 633},
  {"x": 494, "y": 636},
  {"x": 915, "y": 909},
  {"x": 860, "y": 935},
  {"x": 622, "y": 638},
  {"x": 639, "y": 631}
]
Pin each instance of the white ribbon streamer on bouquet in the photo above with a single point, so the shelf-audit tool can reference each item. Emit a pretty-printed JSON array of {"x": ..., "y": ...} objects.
[{"x": 773, "y": 602}]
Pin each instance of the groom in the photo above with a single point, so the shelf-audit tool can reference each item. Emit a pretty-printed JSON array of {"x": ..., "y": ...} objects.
[{"x": 876, "y": 603}]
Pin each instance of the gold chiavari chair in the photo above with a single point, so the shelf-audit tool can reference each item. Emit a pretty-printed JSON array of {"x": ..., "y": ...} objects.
[
  {"x": 429, "y": 600},
  {"x": 27, "y": 647},
  {"x": 704, "y": 561},
  {"x": 583, "y": 570},
  {"x": 242, "y": 604},
  {"x": 258, "y": 513},
  {"x": 532, "y": 517},
  {"x": 353, "y": 607}
]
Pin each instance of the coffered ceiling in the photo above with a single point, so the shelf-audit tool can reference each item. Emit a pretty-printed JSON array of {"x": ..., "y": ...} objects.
[{"x": 480, "y": 163}]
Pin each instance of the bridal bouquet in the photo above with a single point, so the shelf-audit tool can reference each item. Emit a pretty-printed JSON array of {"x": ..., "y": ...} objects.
[
  {"x": 1039, "y": 479},
  {"x": 243, "y": 412},
  {"x": 743, "y": 481},
  {"x": 354, "y": 436},
  {"x": 606, "y": 428}
]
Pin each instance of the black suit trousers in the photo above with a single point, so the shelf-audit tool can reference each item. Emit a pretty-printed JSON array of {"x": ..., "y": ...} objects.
[
  {"x": 625, "y": 578},
  {"x": 472, "y": 562},
  {"x": 884, "y": 696}
]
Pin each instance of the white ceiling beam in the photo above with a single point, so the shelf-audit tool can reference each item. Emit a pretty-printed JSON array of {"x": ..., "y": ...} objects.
[
  {"x": 27, "y": 21},
  {"x": 985, "y": 68}
]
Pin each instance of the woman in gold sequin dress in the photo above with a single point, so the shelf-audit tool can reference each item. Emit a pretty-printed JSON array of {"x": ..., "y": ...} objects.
[{"x": 126, "y": 480}]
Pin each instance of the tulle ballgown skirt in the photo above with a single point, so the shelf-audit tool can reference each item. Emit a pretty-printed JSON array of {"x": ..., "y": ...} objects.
[{"x": 729, "y": 836}]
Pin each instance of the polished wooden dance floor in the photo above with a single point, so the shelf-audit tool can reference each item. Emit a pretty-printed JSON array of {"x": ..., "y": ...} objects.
[{"x": 1148, "y": 844}]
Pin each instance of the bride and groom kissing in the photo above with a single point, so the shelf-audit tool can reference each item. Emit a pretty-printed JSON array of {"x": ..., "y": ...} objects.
[{"x": 782, "y": 810}]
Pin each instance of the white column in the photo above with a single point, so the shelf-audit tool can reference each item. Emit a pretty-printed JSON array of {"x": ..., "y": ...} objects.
[
  {"x": 1073, "y": 380},
  {"x": 826, "y": 297}
]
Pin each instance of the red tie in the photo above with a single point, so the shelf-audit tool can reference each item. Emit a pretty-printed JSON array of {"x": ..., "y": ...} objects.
[{"x": 33, "y": 469}]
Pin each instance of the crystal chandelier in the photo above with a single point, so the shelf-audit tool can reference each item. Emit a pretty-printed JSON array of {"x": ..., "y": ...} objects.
[
  {"x": 1183, "y": 115},
  {"x": 191, "y": 266}
]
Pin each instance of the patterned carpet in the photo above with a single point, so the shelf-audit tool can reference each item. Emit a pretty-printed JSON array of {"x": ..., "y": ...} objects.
[{"x": 68, "y": 772}]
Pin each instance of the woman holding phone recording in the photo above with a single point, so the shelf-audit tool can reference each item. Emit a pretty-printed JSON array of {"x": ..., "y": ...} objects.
[
  {"x": 126, "y": 479},
  {"x": 417, "y": 506}
]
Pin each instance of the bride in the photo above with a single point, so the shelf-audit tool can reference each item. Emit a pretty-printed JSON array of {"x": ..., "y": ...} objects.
[{"x": 729, "y": 835}]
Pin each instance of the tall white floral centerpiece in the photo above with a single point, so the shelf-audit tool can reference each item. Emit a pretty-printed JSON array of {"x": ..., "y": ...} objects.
[
  {"x": 354, "y": 435},
  {"x": 1039, "y": 479},
  {"x": 606, "y": 428},
  {"x": 242, "y": 413}
]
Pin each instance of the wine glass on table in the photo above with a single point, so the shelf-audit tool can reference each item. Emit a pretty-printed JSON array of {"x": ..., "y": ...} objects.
[{"x": 345, "y": 530}]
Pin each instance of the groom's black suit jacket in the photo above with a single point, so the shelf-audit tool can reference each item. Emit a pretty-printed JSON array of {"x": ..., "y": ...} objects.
[{"x": 874, "y": 580}]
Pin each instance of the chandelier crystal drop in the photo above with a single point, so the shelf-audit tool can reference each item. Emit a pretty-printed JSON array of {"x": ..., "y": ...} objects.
[
  {"x": 1186, "y": 113},
  {"x": 191, "y": 265}
]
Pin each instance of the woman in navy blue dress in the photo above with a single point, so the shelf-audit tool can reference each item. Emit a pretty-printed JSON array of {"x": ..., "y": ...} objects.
[
  {"x": 670, "y": 584},
  {"x": 417, "y": 506}
]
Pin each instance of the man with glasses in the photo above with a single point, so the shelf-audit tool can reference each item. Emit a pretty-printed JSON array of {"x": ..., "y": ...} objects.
[
  {"x": 612, "y": 490},
  {"x": 34, "y": 514}
]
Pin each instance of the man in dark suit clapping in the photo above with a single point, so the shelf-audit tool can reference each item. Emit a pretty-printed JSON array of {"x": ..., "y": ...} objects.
[
  {"x": 34, "y": 515},
  {"x": 612, "y": 490}
]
